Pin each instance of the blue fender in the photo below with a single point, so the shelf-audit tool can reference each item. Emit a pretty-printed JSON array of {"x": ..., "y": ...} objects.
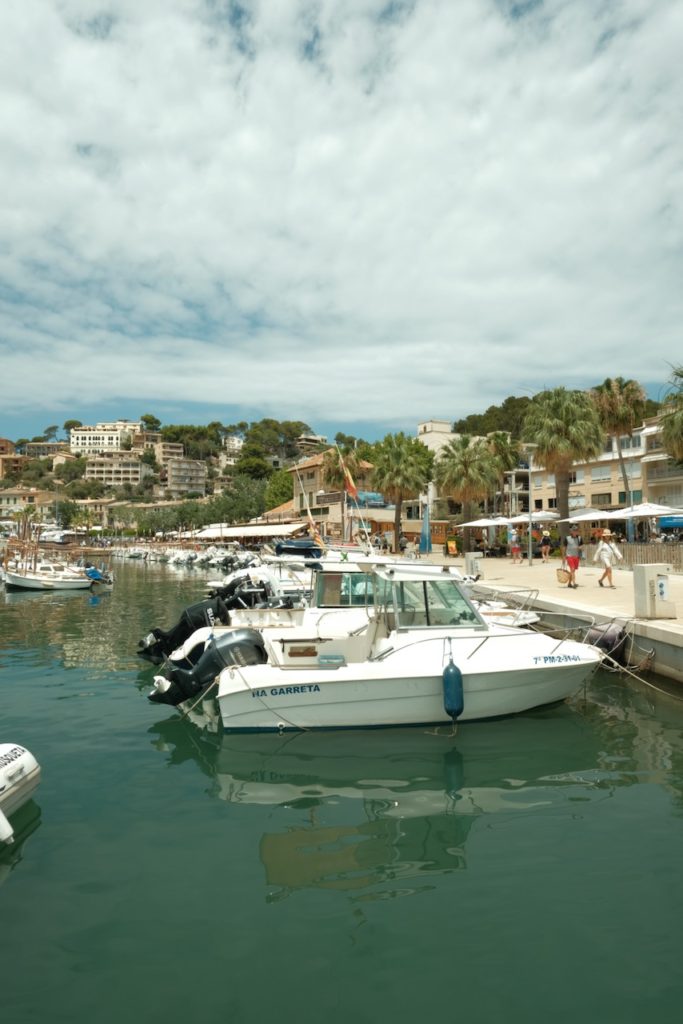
[{"x": 453, "y": 697}]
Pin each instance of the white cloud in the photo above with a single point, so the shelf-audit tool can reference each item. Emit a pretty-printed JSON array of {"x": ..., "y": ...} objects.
[{"x": 367, "y": 210}]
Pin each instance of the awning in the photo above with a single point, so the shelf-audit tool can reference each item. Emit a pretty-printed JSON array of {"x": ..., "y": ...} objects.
[
  {"x": 220, "y": 532},
  {"x": 671, "y": 521}
]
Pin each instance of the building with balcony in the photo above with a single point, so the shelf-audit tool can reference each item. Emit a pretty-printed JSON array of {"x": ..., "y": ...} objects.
[
  {"x": 310, "y": 443},
  {"x": 663, "y": 477},
  {"x": 17, "y": 499},
  {"x": 652, "y": 475},
  {"x": 184, "y": 476},
  {"x": 10, "y": 464},
  {"x": 145, "y": 439},
  {"x": 117, "y": 469},
  {"x": 104, "y": 437},
  {"x": 164, "y": 451},
  {"x": 45, "y": 449}
]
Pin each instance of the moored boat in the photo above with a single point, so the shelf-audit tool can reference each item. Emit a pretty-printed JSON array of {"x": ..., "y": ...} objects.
[
  {"x": 19, "y": 778},
  {"x": 418, "y": 653}
]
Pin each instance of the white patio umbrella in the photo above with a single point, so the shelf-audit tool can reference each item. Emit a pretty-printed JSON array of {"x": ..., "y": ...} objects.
[
  {"x": 587, "y": 516},
  {"x": 646, "y": 510},
  {"x": 498, "y": 521},
  {"x": 536, "y": 517}
]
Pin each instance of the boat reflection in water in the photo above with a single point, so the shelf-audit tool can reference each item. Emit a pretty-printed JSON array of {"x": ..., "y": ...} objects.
[{"x": 355, "y": 810}]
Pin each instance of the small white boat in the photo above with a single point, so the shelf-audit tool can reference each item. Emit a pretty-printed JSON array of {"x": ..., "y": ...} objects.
[
  {"x": 418, "y": 653},
  {"x": 54, "y": 576},
  {"x": 19, "y": 778}
]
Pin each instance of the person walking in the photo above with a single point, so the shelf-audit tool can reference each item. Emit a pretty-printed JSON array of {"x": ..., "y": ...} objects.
[
  {"x": 515, "y": 547},
  {"x": 607, "y": 553},
  {"x": 546, "y": 546},
  {"x": 571, "y": 555}
]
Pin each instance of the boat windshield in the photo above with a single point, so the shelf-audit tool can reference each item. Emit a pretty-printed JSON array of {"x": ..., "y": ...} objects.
[
  {"x": 419, "y": 603},
  {"x": 344, "y": 589}
]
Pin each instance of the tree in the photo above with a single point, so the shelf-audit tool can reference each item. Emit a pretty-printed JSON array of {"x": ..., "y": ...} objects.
[
  {"x": 621, "y": 405},
  {"x": 150, "y": 423},
  {"x": 252, "y": 463},
  {"x": 50, "y": 433},
  {"x": 565, "y": 428},
  {"x": 70, "y": 425},
  {"x": 279, "y": 489},
  {"x": 65, "y": 513},
  {"x": 506, "y": 417},
  {"x": 506, "y": 454},
  {"x": 73, "y": 469},
  {"x": 402, "y": 469},
  {"x": 672, "y": 416},
  {"x": 468, "y": 471}
]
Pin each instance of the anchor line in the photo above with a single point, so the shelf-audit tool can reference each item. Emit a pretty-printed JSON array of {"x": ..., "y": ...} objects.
[{"x": 255, "y": 693}]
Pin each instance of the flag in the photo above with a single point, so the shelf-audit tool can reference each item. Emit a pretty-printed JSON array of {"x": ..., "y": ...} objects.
[
  {"x": 349, "y": 485},
  {"x": 314, "y": 532}
]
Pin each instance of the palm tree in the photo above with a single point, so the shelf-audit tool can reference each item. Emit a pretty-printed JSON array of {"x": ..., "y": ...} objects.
[
  {"x": 621, "y": 407},
  {"x": 672, "y": 416},
  {"x": 506, "y": 453},
  {"x": 467, "y": 471},
  {"x": 402, "y": 469},
  {"x": 565, "y": 428}
]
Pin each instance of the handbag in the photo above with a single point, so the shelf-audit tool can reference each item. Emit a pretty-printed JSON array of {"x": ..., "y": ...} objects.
[{"x": 562, "y": 575}]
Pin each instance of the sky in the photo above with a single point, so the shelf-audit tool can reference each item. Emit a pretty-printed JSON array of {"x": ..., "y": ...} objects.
[{"x": 360, "y": 214}]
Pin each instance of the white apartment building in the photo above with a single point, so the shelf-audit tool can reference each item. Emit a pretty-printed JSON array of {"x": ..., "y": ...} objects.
[
  {"x": 184, "y": 476},
  {"x": 105, "y": 437},
  {"x": 232, "y": 445},
  {"x": 117, "y": 469},
  {"x": 164, "y": 451}
]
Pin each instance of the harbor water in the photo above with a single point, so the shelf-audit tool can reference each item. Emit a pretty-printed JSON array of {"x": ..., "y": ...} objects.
[{"x": 527, "y": 869}]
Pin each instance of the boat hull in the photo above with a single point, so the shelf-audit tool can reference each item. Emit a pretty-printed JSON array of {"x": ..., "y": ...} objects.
[
  {"x": 33, "y": 581},
  {"x": 397, "y": 691},
  {"x": 19, "y": 778}
]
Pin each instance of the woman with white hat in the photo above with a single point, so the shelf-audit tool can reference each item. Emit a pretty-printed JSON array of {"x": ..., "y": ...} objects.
[
  {"x": 607, "y": 553},
  {"x": 546, "y": 545}
]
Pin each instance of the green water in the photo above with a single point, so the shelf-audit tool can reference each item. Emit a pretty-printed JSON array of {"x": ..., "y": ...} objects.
[{"x": 527, "y": 869}]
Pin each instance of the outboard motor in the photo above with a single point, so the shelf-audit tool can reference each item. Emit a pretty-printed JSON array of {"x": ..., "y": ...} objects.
[
  {"x": 610, "y": 638},
  {"x": 159, "y": 643},
  {"x": 238, "y": 647}
]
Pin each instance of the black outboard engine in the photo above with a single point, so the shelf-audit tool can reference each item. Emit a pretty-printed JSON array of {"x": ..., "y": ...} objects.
[
  {"x": 159, "y": 643},
  {"x": 610, "y": 638},
  {"x": 237, "y": 647}
]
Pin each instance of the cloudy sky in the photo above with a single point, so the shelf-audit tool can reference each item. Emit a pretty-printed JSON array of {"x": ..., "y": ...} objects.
[{"x": 357, "y": 213}]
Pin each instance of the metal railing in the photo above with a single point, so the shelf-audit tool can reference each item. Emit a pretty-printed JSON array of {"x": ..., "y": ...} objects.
[{"x": 645, "y": 554}]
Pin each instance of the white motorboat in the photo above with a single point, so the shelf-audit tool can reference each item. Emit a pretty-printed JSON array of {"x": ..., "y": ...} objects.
[
  {"x": 420, "y": 653},
  {"x": 19, "y": 778},
  {"x": 305, "y": 608}
]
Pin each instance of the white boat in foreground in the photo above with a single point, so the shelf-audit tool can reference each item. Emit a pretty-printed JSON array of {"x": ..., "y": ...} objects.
[
  {"x": 19, "y": 778},
  {"x": 419, "y": 653}
]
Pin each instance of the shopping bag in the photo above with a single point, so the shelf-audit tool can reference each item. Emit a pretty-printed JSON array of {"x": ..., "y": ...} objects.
[{"x": 562, "y": 575}]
